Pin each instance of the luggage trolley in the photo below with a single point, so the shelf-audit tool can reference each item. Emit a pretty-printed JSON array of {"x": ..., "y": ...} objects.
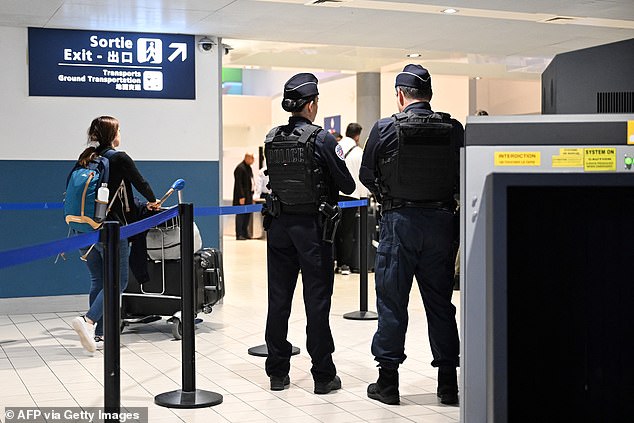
[{"x": 161, "y": 295}]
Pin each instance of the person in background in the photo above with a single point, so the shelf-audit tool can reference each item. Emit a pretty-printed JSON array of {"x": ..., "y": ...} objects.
[
  {"x": 337, "y": 136},
  {"x": 243, "y": 194},
  {"x": 306, "y": 171},
  {"x": 411, "y": 164},
  {"x": 262, "y": 190},
  {"x": 344, "y": 241},
  {"x": 104, "y": 134}
]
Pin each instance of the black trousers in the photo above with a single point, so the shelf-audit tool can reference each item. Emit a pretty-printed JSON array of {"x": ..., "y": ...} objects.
[
  {"x": 294, "y": 243},
  {"x": 415, "y": 242},
  {"x": 344, "y": 238},
  {"x": 242, "y": 225}
]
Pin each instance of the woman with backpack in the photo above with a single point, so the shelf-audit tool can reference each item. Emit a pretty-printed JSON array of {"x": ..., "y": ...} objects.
[{"x": 104, "y": 134}]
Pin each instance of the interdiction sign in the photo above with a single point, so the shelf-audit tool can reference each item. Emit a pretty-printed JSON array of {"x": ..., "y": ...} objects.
[
  {"x": 517, "y": 158},
  {"x": 73, "y": 63}
]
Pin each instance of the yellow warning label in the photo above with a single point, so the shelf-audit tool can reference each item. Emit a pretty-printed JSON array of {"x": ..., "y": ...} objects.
[
  {"x": 517, "y": 158},
  {"x": 569, "y": 157},
  {"x": 630, "y": 131},
  {"x": 599, "y": 159}
]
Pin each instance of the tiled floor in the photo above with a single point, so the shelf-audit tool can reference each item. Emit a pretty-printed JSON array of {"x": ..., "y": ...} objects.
[{"x": 43, "y": 364}]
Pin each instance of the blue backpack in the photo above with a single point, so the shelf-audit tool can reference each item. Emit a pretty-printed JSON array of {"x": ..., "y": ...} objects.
[{"x": 81, "y": 192}]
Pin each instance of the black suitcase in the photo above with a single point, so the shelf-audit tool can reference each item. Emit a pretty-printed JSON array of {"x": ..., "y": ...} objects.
[
  {"x": 161, "y": 295},
  {"x": 373, "y": 238},
  {"x": 210, "y": 278}
]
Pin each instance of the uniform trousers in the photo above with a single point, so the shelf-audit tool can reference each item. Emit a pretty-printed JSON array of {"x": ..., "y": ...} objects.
[
  {"x": 294, "y": 243},
  {"x": 415, "y": 242}
]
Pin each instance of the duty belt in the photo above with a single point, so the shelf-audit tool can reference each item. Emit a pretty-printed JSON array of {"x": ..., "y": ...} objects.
[{"x": 394, "y": 203}]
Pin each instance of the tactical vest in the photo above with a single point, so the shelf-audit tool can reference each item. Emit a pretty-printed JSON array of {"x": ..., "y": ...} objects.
[
  {"x": 423, "y": 168},
  {"x": 294, "y": 177}
]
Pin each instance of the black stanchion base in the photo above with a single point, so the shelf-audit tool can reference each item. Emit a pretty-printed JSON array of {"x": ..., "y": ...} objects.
[
  {"x": 361, "y": 315},
  {"x": 262, "y": 351},
  {"x": 193, "y": 399}
]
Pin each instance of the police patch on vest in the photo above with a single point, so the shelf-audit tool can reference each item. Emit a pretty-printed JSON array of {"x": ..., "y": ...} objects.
[
  {"x": 339, "y": 152},
  {"x": 285, "y": 155}
]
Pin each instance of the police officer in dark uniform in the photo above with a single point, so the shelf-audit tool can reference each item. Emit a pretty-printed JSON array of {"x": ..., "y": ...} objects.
[
  {"x": 306, "y": 170},
  {"x": 411, "y": 164}
]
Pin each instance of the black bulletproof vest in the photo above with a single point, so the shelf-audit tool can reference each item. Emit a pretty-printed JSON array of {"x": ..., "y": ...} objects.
[
  {"x": 293, "y": 174},
  {"x": 423, "y": 168}
]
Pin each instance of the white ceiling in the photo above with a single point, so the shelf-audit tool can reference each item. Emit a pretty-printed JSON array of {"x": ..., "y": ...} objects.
[{"x": 489, "y": 38}]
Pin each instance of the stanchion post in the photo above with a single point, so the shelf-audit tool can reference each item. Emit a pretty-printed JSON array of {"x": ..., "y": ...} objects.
[
  {"x": 188, "y": 314},
  {"x": 110, "y": 237},
  {"x": 189, "y": 396},
  {"x": 363, "y": 258},
  {"x": 363, "y": 313}
]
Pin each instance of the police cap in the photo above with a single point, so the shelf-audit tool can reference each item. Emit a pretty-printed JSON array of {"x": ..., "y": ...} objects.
[
  {"x": 298, "y": 90},
  {"x": 414, "y": 76},
  {"x": 302, "y": 85}
]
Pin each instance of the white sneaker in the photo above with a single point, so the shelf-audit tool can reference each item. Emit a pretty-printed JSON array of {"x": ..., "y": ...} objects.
[
  {"x": 85, "y": 334},
  {"x": 99, "y": 342},
  {"x": 345, "y": 270}
]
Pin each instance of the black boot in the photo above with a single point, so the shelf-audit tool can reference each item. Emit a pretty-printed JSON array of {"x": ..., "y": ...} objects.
[
  {"x": 386, "y": 387},
  {"x": 447, "y": 385}
]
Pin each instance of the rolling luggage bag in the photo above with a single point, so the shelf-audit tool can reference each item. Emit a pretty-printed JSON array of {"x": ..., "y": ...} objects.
[
  {"x": 161, "y": 294},
  {"x": 210, "y": 286}
]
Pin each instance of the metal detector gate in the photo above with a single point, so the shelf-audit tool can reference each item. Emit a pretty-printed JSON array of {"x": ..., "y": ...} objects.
[{"x": 544, "y": 235}]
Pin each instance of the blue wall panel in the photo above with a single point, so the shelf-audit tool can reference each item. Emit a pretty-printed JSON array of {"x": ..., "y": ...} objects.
[{"x": 31, "y": 181}]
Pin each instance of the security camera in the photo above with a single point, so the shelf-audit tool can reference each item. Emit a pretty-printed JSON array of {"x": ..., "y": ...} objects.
[
  {"x": 227, "y": 48},
  {"x": 205, "y": 44}
]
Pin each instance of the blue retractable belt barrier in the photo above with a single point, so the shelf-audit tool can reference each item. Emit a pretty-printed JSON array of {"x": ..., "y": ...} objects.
[
  {"x": 30, "y": 206},
  {"x": 47, "y": 249},
  {"x": 39, "y": 251}
]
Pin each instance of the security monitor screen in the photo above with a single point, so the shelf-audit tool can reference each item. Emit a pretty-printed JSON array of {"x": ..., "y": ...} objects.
[{"x": 570, "y": 303}]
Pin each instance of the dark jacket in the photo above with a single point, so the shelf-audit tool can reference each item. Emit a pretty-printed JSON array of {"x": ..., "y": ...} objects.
[
  {"x": 242, "y": 185},
  {"x": 122, "y": 168}
]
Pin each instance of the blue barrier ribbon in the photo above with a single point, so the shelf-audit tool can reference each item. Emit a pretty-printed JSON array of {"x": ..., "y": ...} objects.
[
  {"x": 353, "y": 203},
  {"x": 39, "y": 251},
  {"x": 47, "y": 249},
  {"x": 219, "y": 211},
  {"x": 30, "y": 206},
  {"x": 199, "y": 211},
  {"x": 254, "y": 208},
  {"x": 147, "y": 223},
  {"x": 36, "y": 252}
]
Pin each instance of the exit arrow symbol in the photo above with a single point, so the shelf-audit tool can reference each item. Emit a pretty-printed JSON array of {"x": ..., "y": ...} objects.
[{"x": 181, "y": 48}]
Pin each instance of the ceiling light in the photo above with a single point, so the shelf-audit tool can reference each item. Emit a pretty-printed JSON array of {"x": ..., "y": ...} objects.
[
  {"x": 477, "y": 78},
  {"x": 414, "y": 55},
  {"x": 449, "y": 11}
]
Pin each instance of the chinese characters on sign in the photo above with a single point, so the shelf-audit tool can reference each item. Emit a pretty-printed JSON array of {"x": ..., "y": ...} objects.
[{"x": 110, "y": 64}]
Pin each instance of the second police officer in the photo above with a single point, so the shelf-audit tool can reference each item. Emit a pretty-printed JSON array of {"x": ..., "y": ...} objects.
[
  {"x": 306, "y": 171},
  {"x": 411, "y": 164}
]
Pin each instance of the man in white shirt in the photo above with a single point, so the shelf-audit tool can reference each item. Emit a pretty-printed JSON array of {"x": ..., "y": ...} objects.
[
  {"x": 261, "y": 189},
  {"x": 344, "y": 239}
]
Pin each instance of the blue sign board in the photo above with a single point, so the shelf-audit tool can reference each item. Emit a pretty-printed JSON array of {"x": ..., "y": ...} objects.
[
  {"x": 332, "y": 124},
  {"x": 74, "y": 63}
]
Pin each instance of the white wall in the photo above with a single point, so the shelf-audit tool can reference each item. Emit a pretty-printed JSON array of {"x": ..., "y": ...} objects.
[
  {"x": 54, "y": 128},
  {"x": 508, "y": 97},
  {"x": 247, "y": 120}
]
